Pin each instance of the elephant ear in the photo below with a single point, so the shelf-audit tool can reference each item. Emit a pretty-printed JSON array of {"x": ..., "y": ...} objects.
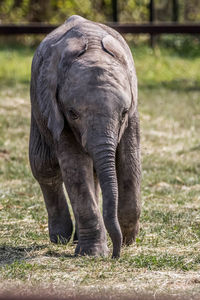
[
  {"x": 65, "y": 51},
  {"x": 118, "y": 48},
  {"x": 114, "y": 48},
  {"x": 56, "y": 57}
]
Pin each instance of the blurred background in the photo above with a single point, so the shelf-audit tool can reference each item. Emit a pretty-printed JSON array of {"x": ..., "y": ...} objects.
[
  {"x": 153, "y": 17},
  {"x": 54, "y": 12}
]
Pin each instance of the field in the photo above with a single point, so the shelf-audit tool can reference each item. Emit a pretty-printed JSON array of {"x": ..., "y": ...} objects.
[{"x": 165, "y": 258}]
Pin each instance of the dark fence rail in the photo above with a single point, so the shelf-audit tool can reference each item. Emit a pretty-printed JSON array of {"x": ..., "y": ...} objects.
[
  {"x": 160, "y": 28},
  {"x": 149, "y": 28}
]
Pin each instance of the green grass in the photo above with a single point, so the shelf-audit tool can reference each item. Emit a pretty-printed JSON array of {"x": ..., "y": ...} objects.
[{"x": 165, "y": 257}]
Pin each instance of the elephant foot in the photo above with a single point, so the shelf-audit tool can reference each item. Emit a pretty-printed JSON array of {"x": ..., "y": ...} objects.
[
  {"x": 92, "y": 250},
  {"x": 129, "y": 233},
  {"x": 60, "y": 233}
]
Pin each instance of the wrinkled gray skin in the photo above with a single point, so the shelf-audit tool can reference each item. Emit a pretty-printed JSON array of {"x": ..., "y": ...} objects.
[{"x": 85, "y": 132}]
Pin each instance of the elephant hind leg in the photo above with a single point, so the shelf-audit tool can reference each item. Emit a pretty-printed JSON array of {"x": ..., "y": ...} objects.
[
  {"x": 129, "y": 176},
  {"x": 46, "y": 170}
]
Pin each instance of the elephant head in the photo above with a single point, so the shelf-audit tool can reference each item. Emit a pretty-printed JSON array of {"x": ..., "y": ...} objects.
[{"x": 92, "y": 88}]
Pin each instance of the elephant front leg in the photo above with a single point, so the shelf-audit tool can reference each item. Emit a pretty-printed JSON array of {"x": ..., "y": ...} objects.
[
  {"x": 46, "y": 171},
  {"x": 77, "y": 173},
  {"x": 129, "y": 173},
  {"x": 97, "y": 193},
  {"x": 59, "y": 220}
]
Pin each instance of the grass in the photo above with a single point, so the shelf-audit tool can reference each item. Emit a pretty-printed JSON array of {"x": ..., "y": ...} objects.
[{"x": 165, "y": 257}]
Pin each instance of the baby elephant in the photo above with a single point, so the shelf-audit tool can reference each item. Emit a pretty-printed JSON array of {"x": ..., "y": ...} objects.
[{"x": 85, "y": 133}]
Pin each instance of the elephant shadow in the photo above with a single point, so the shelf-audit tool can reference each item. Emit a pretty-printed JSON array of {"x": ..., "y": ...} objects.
[{"x": 10, "y": 254}]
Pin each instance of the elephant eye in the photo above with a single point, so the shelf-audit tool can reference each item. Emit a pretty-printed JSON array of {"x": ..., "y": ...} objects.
[
  {"x": 73, "y": 114},
  {"x": 124, "y": 113}
]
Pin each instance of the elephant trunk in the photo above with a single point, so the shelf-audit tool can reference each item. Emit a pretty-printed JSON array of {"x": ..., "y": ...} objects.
[{"x": 104, "y": 161}]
